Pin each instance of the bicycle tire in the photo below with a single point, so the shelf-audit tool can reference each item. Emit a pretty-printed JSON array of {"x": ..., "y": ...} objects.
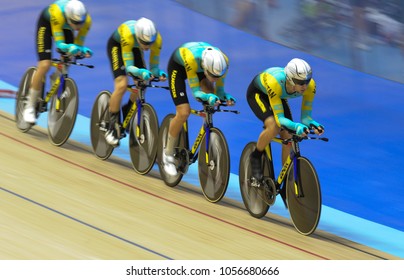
[
  {"x": 61, "y": 122},
  {"x": 143, "y": 148},
  {"x": 98, "y": 125},
  {"x": 21, "y": 100},
  {"x": 170, "y": 181},
  {"x": 304, "y": 211},
  {"x": 253, "y": 196},
  {"x": 214, "y": 175}
]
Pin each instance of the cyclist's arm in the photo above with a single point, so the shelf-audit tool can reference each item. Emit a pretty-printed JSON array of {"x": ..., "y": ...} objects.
[
  {"x": 307, "y": 103},
  {"x": 154, "y": 60},
  {"x": 220, "y": 84},
  {"x": 57, "y": 21},
  {"x": 127, "y": 43},
  {"x": 219, "y": 90},
  {"x": 81, "y": 36},
  {"x": 274, "y": 91}
]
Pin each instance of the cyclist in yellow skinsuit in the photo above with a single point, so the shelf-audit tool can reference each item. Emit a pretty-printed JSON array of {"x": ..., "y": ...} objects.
[
  {"x": 267, "y": 96},
  {"x": 126, "y": 48},
  {"x": 57, "y": 22},
  {"x": 205, "y": 67}
]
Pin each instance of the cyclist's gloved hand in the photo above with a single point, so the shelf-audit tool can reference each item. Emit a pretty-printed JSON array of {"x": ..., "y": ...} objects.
[
  {"x": 74, "y": 49},
  {"x": 316, "y": 126},
  {"x": 230, "y": 98},
  {"x": 158, "y": 73},
  {"x": 211, "y": 98},
  {"x": 301, "y": 129},
  {"x": 140, "y": 72},
  {"x": 145, "y": 74},
  {"x": 63, "y": 47},
  {"x": 86, "y": 52}
]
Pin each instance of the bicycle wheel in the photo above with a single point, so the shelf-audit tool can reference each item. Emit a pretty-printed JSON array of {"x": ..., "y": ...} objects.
[
  {"x": 143, "y": 142},
  {"x": 253, "y": 197},
  {"x": 214, "y": 174},
  {"x": 170, "y": 181},
  {"x": 61, "y": 122},
  {"x": 21, "y": 99},
  {"x": 305, "y": 208},
  {"x": 98, "y": 125}
]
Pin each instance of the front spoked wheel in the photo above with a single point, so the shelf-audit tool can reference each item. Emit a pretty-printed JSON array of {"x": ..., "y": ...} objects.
[
  {"x": 169, "y": 180},
  {"x": 99, "y": 124},
  {"x": 257, "y": 198},
  {"x": 214, "y": 166},
  {"x": 304, "y": 197},
  {"x": 62, "y": 116},
  {"x": 143, "y": 139},
  {"x": 21, "y": 100}
]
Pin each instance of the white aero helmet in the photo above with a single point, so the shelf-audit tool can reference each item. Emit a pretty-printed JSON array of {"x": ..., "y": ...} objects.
[
  {"x": 146, "y": 31},
  {"x": 75, "y": 12},
  {"x": 298, "y": 72},
  {"x": 214, "y": 62}
]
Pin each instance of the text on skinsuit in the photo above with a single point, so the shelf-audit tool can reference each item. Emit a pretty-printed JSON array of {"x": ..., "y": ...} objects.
[
  {"x": 270, "y": 92},
  {"x": 41, "y": 39},
  {"x": 173, "y": 90},
  {"x": 115, "y": 63}
]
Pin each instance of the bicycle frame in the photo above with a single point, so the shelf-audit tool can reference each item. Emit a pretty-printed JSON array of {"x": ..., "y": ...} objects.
[
  {"x": 138, "y": 104},
  {"x": 58, "y": 78},
  {"x": 207, "y": 124},
  {"x": 57, "y": 82},
  {"x": 294, "y": 154},
  {"x": 140, "y": 90}
]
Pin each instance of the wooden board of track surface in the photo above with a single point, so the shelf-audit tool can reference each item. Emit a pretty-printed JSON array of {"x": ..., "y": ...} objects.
[{"x": 64, "y": 203}]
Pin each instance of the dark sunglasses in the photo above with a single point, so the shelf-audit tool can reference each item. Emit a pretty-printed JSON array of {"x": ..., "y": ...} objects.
[
  {"x": 212, "y": 75},
  {"x": 71, "y": 21},
  {"x": 301, "y": 82},
  {"x": 145, "y": 43}
]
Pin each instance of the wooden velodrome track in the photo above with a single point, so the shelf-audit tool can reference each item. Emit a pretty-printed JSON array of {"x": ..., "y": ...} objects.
[{"x": 64, "y": 203}]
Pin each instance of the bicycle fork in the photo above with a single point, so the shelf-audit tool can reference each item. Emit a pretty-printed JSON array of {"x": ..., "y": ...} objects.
[{"x": 297, "y": 184}]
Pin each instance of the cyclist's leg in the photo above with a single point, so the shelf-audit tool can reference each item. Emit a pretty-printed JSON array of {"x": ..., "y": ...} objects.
[
  {"x": 259, "y": 104},
  {"x": 253, "y": 197},
  {"x": 177, "y": 76},
  {"x": 44, "y": 47},
  {"x": 168, "y": 179},
  {"x": 112, "y": 136},
  {"x": 139, "y": 63}
]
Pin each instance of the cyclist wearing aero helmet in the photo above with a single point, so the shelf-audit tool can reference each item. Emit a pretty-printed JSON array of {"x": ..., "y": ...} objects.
[
  {"x": 58, "y": 21},
  {"x": 205, "y": 67},
  {"x": 267, "y": 96},
  {"x": 125, "y": 49}
]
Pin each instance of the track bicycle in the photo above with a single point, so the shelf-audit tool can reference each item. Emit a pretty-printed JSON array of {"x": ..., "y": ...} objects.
[
  {"x": 297, "y": 183},
  {"x": 140, "y": 122},
  {"x": 209, "y": 148},
  {"x": 62, "y": 96}
]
